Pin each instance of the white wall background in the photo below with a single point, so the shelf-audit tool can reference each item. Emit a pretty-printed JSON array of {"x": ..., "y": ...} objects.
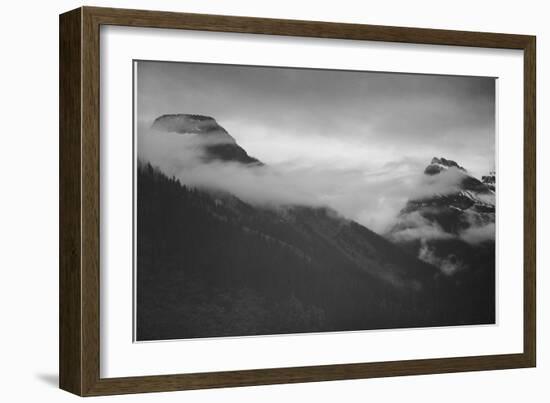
[{"x": 29, "y": 199}]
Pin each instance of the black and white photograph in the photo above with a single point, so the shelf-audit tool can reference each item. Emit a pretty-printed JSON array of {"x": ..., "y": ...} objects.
[{"x": 281, "y": 200}]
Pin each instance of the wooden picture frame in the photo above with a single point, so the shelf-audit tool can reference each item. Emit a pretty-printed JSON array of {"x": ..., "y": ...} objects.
[{"x": 79, "y": 280}]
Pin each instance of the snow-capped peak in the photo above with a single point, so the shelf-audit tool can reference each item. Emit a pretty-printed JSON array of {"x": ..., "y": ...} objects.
[{"x": 440, "y": 164}]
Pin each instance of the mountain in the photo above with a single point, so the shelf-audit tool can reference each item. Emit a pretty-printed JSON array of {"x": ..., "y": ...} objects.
[
  {"x": 217, "y": 143},
  {"x": 490, "y": 180},
  {"x": 459, "y": 203},
  {"x": 453, "y": 228},
  {"x": 210, "y": 264},
  {"x": 463, "y": 204},
  {"x": 441, "y": 164}
]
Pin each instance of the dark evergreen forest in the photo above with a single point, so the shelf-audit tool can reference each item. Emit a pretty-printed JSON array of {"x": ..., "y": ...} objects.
[{"x": 209, "y": 265}]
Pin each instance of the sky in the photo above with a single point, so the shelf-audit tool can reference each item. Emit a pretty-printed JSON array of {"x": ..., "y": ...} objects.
[{"x": 357, "y": 141}]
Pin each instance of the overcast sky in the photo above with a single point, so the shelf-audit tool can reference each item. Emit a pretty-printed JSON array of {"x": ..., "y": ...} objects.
[
  {"x": 338, "y": 123},
  {"x": 305, "y": 115}
]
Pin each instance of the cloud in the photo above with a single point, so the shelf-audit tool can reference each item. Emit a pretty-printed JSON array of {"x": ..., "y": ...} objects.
[
  {"x": 371, "y": 194},
  {"x": 448, "y": 265},
  {"x": 478, "y": 234},
  {"x": 414, "y": 226},
  {"x": 446, "y": 182}
]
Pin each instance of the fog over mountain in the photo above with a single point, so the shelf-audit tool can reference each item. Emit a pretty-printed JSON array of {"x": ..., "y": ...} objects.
[
  {"x": 372, "y": 198},
  {"x": 453, "y": 230},
  {"x": 229, "y": 246},
  {"x": 279, "y": 200}
]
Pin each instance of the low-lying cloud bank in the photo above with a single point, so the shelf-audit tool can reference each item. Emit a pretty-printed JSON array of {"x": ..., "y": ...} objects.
[
  {"x": 370, "y": 195},
  {"x": 413, "y": 226},
  {"x": 477, "y": 234},
  {"x": 449, "y": 265}
]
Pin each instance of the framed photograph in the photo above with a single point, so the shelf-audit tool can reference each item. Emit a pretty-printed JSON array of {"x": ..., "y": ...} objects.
[{"x": 249, "y": 201}]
